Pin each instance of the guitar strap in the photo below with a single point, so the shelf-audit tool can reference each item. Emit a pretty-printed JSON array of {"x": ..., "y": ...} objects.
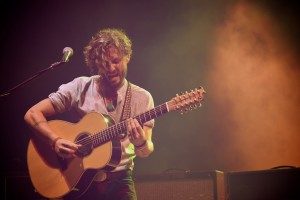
[{"x": 126, "y": 107}]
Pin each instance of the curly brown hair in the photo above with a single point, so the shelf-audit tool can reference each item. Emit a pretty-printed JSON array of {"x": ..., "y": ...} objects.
[{"x": 94, "y": 52}]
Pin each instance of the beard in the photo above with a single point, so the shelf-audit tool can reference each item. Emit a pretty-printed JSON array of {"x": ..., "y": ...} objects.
[{"x": 113, "y": 81}]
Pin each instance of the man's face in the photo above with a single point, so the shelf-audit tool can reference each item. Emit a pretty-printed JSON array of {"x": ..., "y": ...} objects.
[{"x": 114, "y": 67}]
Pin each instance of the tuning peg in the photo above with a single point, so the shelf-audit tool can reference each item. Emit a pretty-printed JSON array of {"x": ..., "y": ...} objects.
[
  {"x": 193, "y": 92},
  {"x": 204, "y": 92},
  {"x": 182, "y": 95}
]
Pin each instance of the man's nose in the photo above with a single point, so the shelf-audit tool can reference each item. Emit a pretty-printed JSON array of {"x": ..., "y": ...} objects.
[{"x": 110, "y": 67}]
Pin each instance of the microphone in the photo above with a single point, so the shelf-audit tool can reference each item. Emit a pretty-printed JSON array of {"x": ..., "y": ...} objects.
[{"x": 67, "y": 53}]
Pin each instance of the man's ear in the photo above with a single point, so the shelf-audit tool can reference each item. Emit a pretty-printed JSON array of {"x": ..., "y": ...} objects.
[{"x": 128, "y": 58}]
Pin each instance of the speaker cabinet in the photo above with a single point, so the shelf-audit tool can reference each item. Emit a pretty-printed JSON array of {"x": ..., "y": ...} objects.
[
  {"x": 181, "y": 186},
  {"x": 275, "y": 184}
]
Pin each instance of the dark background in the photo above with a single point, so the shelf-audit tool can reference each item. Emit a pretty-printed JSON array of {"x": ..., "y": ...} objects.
[{"x": 172, "y": 52}]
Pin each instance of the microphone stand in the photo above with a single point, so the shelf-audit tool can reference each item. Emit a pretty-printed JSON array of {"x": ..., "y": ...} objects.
[{"x": 51, "y": 67}]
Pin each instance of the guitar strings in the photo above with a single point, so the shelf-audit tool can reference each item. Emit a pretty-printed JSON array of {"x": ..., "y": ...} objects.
[
  {"x": 102, "y": 136},
  {"x": 105, "y": 135}
]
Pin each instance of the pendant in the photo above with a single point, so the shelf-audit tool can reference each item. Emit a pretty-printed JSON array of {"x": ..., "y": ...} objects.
[{"x": 110, "y": 107}]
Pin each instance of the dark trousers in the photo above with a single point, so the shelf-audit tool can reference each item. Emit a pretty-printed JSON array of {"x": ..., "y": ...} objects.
[{"x": 117, "y": 186}]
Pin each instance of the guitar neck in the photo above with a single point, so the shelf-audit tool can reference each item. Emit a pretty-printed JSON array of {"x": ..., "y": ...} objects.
[{"x": 114, "y": 131}]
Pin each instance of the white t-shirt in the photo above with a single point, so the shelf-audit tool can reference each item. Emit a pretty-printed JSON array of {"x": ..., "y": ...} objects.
[{"x": 82, "y": 97}]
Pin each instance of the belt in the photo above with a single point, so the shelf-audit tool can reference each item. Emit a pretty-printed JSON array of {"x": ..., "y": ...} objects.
[{"x": 105, "y": 176}]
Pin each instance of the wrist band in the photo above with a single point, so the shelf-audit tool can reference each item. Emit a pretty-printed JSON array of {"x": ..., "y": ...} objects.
[
  {"x": 54, "y": 142},
  {"x": 140, "y": 146}
]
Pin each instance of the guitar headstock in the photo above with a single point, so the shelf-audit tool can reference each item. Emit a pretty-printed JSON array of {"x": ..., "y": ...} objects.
[{"x": 187, "y": 101}]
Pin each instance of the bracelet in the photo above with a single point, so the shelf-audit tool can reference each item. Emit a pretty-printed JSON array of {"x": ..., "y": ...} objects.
[
  {"x": 140, "y": 146},
  {"x": 54, "y": 142}
]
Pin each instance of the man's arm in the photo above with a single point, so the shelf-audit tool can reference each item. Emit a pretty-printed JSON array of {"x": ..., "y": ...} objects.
[
  {"x": 35, "y": 117},
  {"x": 144, "y": 150},
  {"x": 140, "y": 137}
]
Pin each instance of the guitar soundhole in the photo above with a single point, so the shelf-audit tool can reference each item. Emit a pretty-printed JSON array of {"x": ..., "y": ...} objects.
[{"x": 87, "y": 145}]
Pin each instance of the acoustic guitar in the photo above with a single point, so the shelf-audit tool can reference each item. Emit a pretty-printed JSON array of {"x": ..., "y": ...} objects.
[{"x": 54, "y": 177}]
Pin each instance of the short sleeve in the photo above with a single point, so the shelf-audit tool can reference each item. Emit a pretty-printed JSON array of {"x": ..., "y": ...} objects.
[{"x": 66, "y": 96}]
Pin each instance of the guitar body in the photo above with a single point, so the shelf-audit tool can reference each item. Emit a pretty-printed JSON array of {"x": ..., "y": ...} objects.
[{"x": 54, "y": 177}]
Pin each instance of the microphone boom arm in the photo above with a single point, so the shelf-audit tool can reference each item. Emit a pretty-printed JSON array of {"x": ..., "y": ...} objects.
[{"x": 39, "y": 73}]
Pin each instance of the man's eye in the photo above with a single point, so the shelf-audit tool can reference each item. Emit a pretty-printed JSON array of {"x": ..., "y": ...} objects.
[{"x": 116, "y": 61}]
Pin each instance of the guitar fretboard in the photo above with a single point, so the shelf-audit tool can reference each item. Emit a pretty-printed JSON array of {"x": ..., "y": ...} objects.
[{"x": 114, "y": 131}]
